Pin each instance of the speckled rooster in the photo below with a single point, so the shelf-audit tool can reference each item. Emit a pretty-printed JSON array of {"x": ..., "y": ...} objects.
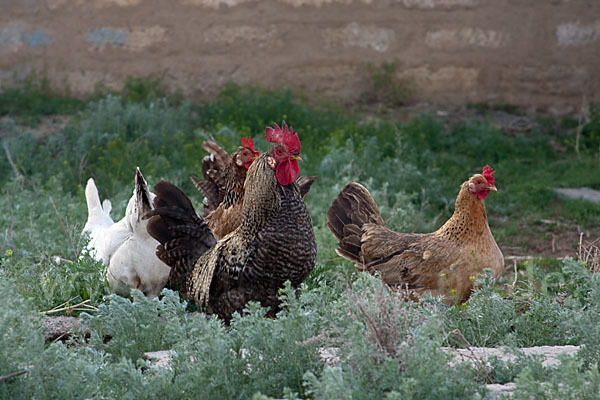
[
  {"x": 274, "y": 243},
  {"x": 223, "y": 185},
  {"x": 444, "y": 262}
]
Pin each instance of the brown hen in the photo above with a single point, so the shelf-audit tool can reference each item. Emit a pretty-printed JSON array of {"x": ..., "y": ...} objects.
[
  {"x": 274, "y": 242},
  {"x": 444, "y": 262},
  {"x": 223, "y": 185}
]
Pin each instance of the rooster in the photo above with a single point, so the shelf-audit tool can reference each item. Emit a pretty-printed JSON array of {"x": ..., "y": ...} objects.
[
  {"x": 125, "y": 247},
  {"x": 223, "y": 185},
  {"x": 444, "y": 262},
  {"x": 274, "y": 243}
]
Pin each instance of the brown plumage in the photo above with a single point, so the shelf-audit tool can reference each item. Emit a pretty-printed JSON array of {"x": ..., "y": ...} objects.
[
  {"x": 215, "y": 178},
  {"x": 274, "y": 242},
  {"x": 223, "y": 185},
  {"x": 444, "y": 262}
]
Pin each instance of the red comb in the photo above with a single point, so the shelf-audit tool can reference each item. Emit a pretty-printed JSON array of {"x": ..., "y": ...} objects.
[
  {"x": 283, "y": 136},
  {"x": 487, "y": 174},
  {"x": 249, "y": 144}
]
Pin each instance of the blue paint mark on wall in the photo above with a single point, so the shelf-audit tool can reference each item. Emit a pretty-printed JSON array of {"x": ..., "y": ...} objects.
[
  {"x": 40, "y": 37},
  {"x": 18, "y": 36},
  {"x": 103, "y": 37}
]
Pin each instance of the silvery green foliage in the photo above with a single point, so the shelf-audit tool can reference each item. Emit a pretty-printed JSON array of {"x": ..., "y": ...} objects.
[
  {"x": 42, "y": 236},
  {"x": 571, "y": 380},
  {"x": 385, "y": 347},
  {"x": 139, "y": 325},
  {"x": 535, "y": 313},
  {"x": 388, "y": 348}
]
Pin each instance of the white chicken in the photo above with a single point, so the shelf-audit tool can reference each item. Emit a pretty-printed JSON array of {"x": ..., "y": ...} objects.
[{"x": 125, "y": 247}]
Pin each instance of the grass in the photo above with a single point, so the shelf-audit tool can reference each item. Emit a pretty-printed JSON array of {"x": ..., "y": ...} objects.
[
  {"x": 385, "y": 87},
  {"x": 386, "y": 347},
  {"x": 32, "y": 97}
]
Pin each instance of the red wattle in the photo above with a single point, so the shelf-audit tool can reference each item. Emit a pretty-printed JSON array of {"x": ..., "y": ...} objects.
[
  {"x": 481, "y": 195},
  {"x": 287, "y": 172}
]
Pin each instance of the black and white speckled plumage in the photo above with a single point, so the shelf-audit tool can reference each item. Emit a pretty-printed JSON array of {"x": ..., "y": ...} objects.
[{"x": 274, "y": 243}]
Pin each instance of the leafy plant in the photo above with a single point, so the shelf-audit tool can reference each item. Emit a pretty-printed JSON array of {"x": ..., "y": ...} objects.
[
  {"x": 342, "y": 334},
  {"x": 32, "y": 97},
  {"x": 386, "y": 86}
]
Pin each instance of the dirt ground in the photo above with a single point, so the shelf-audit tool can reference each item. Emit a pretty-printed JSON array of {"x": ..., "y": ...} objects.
[{"x": 549, "y": 239}]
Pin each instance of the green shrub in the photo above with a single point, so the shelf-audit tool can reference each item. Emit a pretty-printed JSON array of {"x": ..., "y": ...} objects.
[
  {"x": 385, "y": 347},
  {"x": 386, "y": 87},
  {"x": 32, "y": 97}
]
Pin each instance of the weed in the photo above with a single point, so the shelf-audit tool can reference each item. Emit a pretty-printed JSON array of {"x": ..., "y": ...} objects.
[
  {"x": 32, "y": 97},
  {"x": 591, "y": 130},
  {"x": 386, "y": 87},
  {"x": 485, "y": 108}
]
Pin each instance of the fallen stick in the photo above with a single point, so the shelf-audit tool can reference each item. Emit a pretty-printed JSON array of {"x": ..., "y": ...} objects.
[{"x": 12, "y": 375}]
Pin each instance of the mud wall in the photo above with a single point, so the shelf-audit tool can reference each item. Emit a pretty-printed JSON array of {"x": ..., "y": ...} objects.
[{"x": 537, "y": 53}]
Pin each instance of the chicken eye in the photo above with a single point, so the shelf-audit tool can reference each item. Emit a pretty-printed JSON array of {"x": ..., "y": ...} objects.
[{"x": 479, "y": 181}]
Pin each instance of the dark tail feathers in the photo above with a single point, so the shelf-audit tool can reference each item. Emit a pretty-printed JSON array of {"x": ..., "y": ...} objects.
[
  {"x": 182, "y": 234},
  {"x": 211, "y": 192},
  {"x": 304, "y": 184},
  {"x": 352, "y": 208},
  {"x": 213, "y": 185}
]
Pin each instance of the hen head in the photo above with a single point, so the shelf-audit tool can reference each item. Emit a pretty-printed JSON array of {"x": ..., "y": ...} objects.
[
  {"x": 245, "y": 154},
  {"x": 481, "y": 184},
  {"x": 283, "y": 157}
]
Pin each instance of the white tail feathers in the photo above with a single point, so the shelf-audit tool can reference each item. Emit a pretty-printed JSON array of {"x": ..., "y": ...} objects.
[
  {"x": 91, "y": 196},
  {"x": 125, "y": 247},
  {"x": 107, "y": 206}
]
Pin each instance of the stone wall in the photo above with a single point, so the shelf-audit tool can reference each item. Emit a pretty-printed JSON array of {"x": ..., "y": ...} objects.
[{"x": 538, "y": 53}]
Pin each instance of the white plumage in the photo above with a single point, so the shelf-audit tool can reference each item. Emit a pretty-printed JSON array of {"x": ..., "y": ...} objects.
[{"x": 125, "y": 246}]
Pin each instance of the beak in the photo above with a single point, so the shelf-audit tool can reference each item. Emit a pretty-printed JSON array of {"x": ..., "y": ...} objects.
[
  {"x": 492, "y": 187},
  {"x": 296, "y": 158}
]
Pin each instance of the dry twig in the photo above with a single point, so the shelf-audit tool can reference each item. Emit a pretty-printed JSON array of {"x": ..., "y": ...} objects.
[
  {"x": 12, "y": 375},
  {"x": 589, "y": 254},
  {"x": 18, "y": 174},
  {"x": 515, "y": 267},
  {"x": 8, "y": 231},
  {"x": 66, "y": 306},
  {"x": 582, "y": 120},
  {"x": 479, "y": 364}
]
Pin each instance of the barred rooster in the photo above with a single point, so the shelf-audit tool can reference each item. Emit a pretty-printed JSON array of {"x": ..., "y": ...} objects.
[
  {"x": 444, "y": 262},
  {"x": 274, "y": 242},
  {"x": 223, "y": 185}
]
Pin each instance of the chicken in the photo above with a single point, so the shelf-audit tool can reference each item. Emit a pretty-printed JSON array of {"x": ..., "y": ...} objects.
[
  {"x": 223, "y": 185},
  {"x": 444, "y": 262},
  {"x": 125, "y": 247},
  {"x": 99, "y": 221},
  {"x": 224, "y": 174},
  {"x": 274, "y": 243},
  {"x": 304, "y": 184}
]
